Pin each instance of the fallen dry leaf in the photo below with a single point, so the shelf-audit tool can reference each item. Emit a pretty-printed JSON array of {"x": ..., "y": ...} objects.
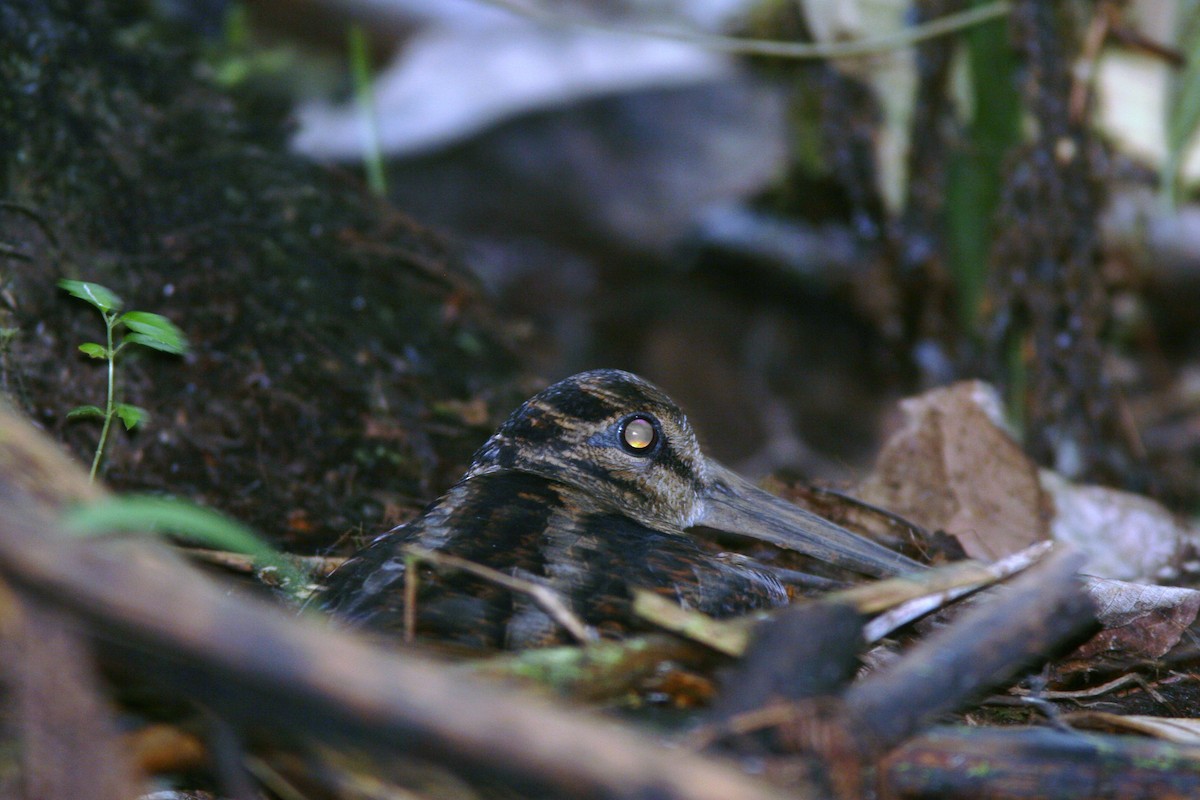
[
  {"x": 1172, "y": 729},
  {"x": 1126, "y": 536},
  {"x": 953, "y": 467},
  {"x": 1139, "y": 621}
]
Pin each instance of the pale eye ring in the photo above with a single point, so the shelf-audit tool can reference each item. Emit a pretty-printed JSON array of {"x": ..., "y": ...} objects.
[{"x": 638, "y": 434}]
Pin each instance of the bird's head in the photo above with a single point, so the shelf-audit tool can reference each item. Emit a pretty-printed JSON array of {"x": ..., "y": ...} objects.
[
  {"x": 629, "y": 448},
  {"x": 613, "y": 435}
]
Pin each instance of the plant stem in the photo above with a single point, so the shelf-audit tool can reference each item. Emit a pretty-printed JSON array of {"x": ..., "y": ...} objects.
[
  {"x": 109, "y": 321},
  {"x": 360, "y": 69}
]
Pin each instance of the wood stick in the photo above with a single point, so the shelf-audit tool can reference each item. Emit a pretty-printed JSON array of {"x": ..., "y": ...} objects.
[
  {"x": 950, "y": 763},
  {"x": 804, "y": 651},
  {"x": 1024, "y": 623}
]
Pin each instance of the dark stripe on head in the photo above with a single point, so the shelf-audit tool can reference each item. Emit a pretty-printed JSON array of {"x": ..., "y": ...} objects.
[
  {"x": 586, "y": 466},
  {"x": 533, "y": 424},
  {"x": 667, "y": 457},
  {"x": 577, "y": 400}
]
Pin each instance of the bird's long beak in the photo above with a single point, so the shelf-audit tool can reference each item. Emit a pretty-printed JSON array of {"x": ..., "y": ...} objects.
[{"x": 735, "y": 505}]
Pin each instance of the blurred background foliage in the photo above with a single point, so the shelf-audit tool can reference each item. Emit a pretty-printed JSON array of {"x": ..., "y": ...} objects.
[{"x": 790, "y": 213}]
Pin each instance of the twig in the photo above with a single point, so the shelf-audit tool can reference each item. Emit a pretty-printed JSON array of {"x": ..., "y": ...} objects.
[
  {"x": 242, "y": 563},
  {"x": 759, "y": 719},
  {"x": 10, "y": 251},
  {"x": 412, "y": 582},
  {"x": 544, "y": 596},
  {"x": 596, "y": 672},
  {"x": 1085, "y": 69},
  {"x": 1078, "y": 694},
  {"x": 32, "y": 214},
  {"x": 951, "y": 23},
  {"x": 1039, "y": 762},
  {"x": 902, "y": 599},
  {"x": 891, "y": 517},
  {"x": 725, "y": 636},
  {"x": 971, "y": 578}
]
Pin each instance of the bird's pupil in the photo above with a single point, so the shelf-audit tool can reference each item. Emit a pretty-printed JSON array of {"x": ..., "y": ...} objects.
[{"x": 638, "y": 433}]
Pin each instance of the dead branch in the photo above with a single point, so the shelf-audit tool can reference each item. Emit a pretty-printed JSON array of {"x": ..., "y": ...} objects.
[
  {"x": 1036, "y": 616},
  {"x": 1024, "y": 623},
  {"x": 318, "y": 566}
]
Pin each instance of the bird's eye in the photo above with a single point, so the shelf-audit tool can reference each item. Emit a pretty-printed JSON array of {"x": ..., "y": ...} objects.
[{"x": 638, "y": 434}]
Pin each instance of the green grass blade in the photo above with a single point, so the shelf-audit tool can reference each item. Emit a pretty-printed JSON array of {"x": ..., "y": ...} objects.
[
  {"x": 1183, "y": 106},
  {"x": 975, "y": 178},
  {"x": 360, "y": 70},
  {"x": 139, "y": 513}
]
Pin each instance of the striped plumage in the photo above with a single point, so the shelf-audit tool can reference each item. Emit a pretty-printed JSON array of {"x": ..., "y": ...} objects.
[{"x": 589, "y": 487}]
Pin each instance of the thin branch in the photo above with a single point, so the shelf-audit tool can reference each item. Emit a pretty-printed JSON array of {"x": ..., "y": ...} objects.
[
  {"x": 9, "y": 251},
  {"x": 890, "y": 517},
  {"x": 907, "y": 37},
  {"x": 242, "y": 563},
  {"x": 545, "y": 597},
  {"x": 971, "y": 578}
]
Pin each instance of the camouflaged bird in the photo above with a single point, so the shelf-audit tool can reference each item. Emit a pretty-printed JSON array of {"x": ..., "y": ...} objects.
[{"x": 589, "y": 488}]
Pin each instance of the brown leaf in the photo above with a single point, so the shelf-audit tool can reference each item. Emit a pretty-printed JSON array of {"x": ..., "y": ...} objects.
[
  {"x": 1139, "y": 621},
  {"x": 952, "y": 467}
]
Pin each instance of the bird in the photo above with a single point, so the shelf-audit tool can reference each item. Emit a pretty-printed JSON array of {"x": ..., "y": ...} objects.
[{"x": 592, "y": 488}]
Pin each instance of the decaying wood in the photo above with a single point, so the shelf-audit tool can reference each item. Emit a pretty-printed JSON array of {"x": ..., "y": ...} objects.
[
  {"x": 252, "y": 663},
  {"x": 1025, "y": 763}
]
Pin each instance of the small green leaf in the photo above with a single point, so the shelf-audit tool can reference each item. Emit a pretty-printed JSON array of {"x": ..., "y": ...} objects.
[
  {"x": 154, "y": 330},
  {"x": 201, "y": 525},
  {"x": 130, "y": 415},
  {"x": 146, "y": 341},
  {"x": 99, "y": 296},
  {"x": 94, "y": 350},
  {"x": 82, "y": 412}
]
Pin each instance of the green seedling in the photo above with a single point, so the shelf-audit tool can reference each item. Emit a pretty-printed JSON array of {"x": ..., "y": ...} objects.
[{"x": 141, "y": 328}]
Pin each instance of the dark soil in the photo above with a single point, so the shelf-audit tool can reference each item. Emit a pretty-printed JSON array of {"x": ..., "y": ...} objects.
[{"x": 343, "y": 366}]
